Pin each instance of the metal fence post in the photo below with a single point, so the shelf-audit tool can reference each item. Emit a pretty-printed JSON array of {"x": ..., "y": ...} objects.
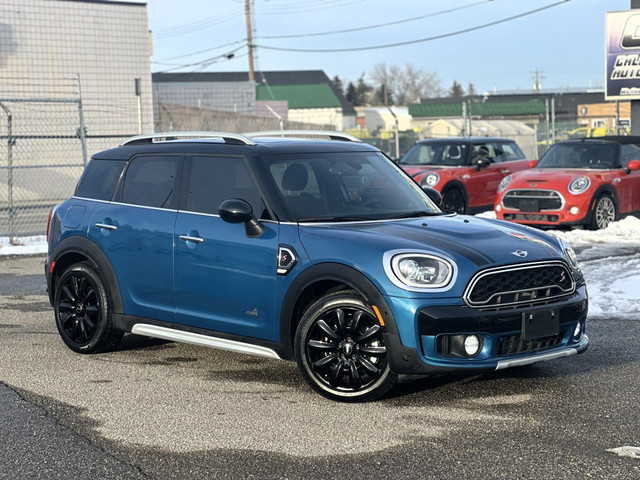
[
  {"x": 82, "y": 133},
  {"x": 10, "y": 143}
]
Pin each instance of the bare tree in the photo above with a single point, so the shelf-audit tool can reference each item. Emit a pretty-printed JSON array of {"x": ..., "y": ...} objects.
[{"x": 400, "y": 87}]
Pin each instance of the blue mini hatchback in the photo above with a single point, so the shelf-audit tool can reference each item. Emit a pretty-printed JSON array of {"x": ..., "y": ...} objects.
[{"x": 321, "y": 251}]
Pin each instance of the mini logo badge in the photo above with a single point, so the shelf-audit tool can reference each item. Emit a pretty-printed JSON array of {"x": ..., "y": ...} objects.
[{"x": 520, "y": 253}]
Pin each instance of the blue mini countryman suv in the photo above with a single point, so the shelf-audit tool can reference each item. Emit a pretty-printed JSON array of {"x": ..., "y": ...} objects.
[{"x": 321, "y": 251}]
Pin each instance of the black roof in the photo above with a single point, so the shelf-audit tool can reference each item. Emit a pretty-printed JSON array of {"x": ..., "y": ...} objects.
[
  {"x": 263, "y": 146},
  {"x": 622, "y": 139},
  {"x": 475, "y": 139}
]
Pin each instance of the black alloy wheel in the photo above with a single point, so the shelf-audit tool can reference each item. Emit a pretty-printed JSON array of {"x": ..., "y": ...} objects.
[
  {"x": 340, "y": 349},
  {"x": 453, "y": 201},
  {"x": 82, "y": 311}
]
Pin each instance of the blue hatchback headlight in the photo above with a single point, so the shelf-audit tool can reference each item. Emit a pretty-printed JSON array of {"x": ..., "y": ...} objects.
[{"x": 418, "y": 271}]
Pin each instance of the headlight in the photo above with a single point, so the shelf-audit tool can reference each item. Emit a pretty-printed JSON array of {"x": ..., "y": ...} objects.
[
  {"x": 571, "y": 257},
  {"x": 417, "y": 270},
  {"x": 579, "y": 185},
  {"x": 430, "y": 180},
  {"x": 504, "y": 183}
]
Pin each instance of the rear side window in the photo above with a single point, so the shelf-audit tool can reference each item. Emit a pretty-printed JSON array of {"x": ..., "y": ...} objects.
[
  {"x": 99, "y": 179},
  {"x": 149, "y": 181}
]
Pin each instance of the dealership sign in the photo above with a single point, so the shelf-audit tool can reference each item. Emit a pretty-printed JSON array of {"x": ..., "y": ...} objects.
[{"x": 623, "y": 55}]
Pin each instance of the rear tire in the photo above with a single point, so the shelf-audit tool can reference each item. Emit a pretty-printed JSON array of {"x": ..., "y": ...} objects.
[
  {"x": 340, "y": 349},
  {"x": 604, "y": 212},
  {"x": 83, "y": 311}
]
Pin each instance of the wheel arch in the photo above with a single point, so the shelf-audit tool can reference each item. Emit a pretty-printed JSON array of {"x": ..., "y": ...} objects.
[
  {"x": 320, "y": 280},
  {"x": 605, "y": 190},
  {"x": 77, "y": 249}
]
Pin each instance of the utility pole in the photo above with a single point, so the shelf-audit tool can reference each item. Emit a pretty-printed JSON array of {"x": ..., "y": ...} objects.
[
  {"x": 537, "y": 81},
  {"x": 247, "y": 12}
]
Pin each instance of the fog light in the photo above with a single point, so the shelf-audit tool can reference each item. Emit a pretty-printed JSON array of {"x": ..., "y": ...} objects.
[
  {"x": 576, "y": 333},
  {"x": 471, "y": 345},
  {"x": 574, "y": 210},
  {"x": 498, "y": 208}
]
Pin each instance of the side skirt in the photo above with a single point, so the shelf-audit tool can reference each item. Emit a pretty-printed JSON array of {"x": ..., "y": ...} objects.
[{"x": 203, "y": 340}]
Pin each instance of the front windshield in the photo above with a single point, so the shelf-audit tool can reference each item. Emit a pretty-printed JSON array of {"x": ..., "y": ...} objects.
[
  {"x": 437, "y": 153},
  {"x": 345, "y": 187},
  {"x": 581, "y": 155}
]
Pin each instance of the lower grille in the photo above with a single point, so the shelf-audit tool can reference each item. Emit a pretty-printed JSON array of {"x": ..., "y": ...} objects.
[
  {"x": 531, "y": 217},
  {"x": 515, "y": 345}
]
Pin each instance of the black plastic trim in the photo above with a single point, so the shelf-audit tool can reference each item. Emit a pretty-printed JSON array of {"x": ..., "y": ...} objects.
[
  {"x": 81, "y": 245},
  {"x": 331, "y": 272},
  {"x": 455, "y": 319}
]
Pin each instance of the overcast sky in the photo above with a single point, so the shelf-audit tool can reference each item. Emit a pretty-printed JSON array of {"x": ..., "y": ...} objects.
[{"x": 503, "y": 44}]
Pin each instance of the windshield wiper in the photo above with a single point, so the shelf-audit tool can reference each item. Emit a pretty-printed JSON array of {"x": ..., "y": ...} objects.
[
  {"x": 419, "y": 213},
  {"x": 337, "y": 219}
]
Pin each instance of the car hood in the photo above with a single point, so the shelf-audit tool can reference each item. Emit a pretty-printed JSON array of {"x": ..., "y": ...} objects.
[
  {"x": 540, "y": 176},
  {"x": 415, "y": 169},
  {"x": 473, "y": 243}
]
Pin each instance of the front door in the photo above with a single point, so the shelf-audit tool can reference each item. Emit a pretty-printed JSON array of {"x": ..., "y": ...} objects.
[{"x": 224, "y": 281}]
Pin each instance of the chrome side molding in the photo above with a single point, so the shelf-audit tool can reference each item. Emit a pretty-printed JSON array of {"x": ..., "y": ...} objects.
[{"x": 203, "y": 340}]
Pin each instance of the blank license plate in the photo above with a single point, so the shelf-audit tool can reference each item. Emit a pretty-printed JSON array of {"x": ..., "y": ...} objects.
[
  {"x": 543, "y": 323},
  {"x": 529, "y": 206}
]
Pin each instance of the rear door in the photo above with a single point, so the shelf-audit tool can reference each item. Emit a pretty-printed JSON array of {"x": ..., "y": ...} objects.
[
  {"x": 224, "y": 280},
  {"x": 136, "y": 234}
]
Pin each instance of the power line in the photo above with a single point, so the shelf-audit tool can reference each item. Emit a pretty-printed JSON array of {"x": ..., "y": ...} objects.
[
  {"x": 370, "y": 27},
  {"x": 208, "y": 61},
  {"x": 202, "y": 51},
  {"x": 421, "y": 40},
  {"x": 195, "y": 26}
]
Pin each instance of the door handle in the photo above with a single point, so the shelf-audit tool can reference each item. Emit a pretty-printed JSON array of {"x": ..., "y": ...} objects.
[
  {"x": 106, "y": 226},
  {"x": 187, "y": 238},
  {"x": 505, "y": 171}
]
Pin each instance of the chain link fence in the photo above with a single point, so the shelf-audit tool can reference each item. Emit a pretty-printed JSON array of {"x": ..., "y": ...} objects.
[{"x": 43, "y": 152}]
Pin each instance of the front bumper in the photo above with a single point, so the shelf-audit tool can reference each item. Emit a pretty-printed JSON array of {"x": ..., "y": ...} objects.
[{"x": 500, "y": 331}]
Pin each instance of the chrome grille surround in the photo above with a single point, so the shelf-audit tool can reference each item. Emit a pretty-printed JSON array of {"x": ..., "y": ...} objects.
[
  {"x": 520, "y": 284},
  {"x": 549, "y": 200}
]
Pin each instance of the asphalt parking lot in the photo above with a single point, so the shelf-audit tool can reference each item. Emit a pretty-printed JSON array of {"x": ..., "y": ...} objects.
[{"x": 161, "y": 410}]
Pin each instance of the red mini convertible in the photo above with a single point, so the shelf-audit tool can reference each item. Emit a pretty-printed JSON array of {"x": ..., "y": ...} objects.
[
  {"x": 465, "y": 170},
  {"x": 590, "y": 182}
]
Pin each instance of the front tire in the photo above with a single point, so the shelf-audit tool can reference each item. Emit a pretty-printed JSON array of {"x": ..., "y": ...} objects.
[
  {"x": 83, "y": 311},
  {"x": 453, "y": 200},
  {"x": 340, "y": 349},
  {"x": 604, "y": 212}
]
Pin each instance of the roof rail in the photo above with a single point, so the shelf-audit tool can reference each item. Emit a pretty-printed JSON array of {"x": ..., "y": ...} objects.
[
  {"x": 305, "y": 133},
  {"x": 233, "y": 138}
]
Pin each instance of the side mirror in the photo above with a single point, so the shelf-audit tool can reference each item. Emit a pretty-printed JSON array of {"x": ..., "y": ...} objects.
[
  {"x": 633, "y": 165},
  {"x": 433, "y": 195},
  {"x": 236, "y": 210},
  {"x": 533, "y": 163},
  {"x": 482, "y": 163}
]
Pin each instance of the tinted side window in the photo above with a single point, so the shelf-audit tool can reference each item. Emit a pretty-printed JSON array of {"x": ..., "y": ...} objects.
[
  {"x": 149, "y": 181},
  {"x": 212, "y": 180},
  {"x": 99, "y": 179},
  {"x": 629, "y": 152},
  {"x": 506, "y": 152}
]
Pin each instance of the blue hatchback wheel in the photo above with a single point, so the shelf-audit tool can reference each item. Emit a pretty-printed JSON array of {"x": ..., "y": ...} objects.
[
  {"x": 82, "y": 311},
  {"x": 341, "y": 351}
]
